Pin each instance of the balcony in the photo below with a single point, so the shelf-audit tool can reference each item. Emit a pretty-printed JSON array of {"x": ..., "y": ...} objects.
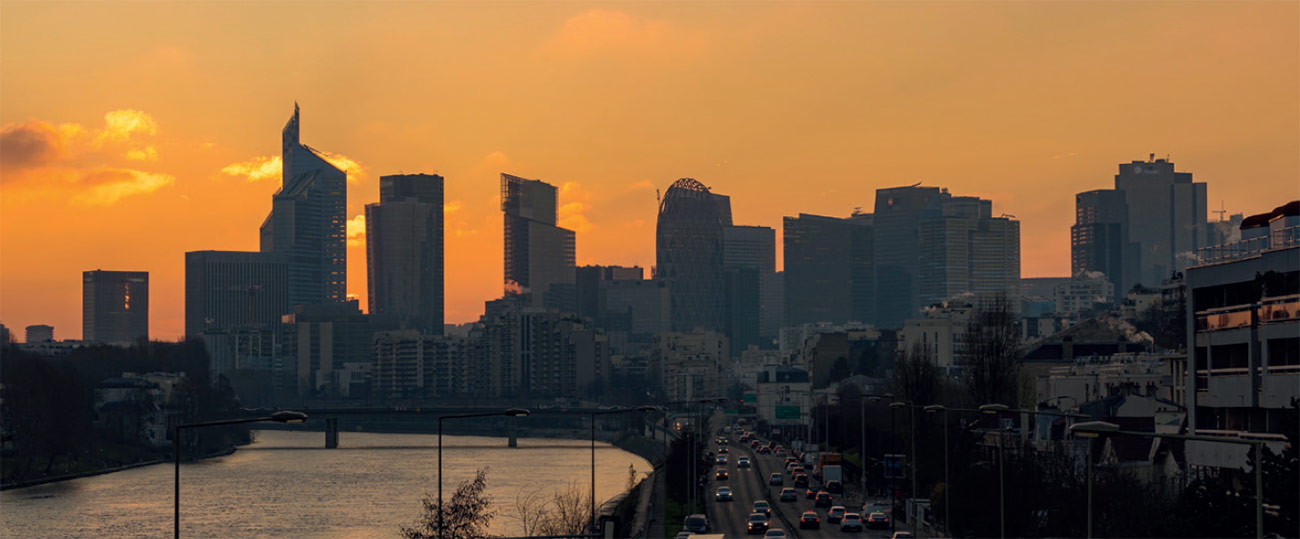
[
  {"x": 1284, "y": 309},
  {"x": 1225, "y": 318},
  {"x": 1279, "y": 239}
]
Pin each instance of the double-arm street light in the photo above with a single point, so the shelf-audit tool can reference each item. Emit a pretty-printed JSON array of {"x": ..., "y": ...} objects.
[
  {"x": 282, "y": 416},
  {"x": 1094, "y": 429},
  {"x": 510, "y": 412},
  {"x": 593, "y": 449}
]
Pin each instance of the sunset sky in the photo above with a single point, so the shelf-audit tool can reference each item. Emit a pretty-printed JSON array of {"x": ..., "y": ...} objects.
[{"x": 136, "y": 131}]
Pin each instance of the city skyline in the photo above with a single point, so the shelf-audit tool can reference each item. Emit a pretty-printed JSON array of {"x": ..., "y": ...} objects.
[{"x": 158, "y": 177}]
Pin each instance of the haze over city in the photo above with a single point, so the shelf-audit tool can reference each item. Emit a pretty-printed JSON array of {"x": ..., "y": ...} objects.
[{"x": 134, "y": 132}]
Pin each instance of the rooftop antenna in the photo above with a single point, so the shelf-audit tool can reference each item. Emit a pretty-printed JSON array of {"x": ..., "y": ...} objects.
[{"x": 1220, "y": 211}]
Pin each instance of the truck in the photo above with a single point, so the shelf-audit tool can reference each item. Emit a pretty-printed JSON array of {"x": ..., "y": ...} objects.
[{"x": 833, "y": 478}]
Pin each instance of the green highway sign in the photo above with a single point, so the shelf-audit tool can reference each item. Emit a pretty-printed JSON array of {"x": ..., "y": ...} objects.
[{"x": 787, "y": 412}]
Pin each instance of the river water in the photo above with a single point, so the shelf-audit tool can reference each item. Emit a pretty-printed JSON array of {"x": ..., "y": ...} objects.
[{"x": 286, "y": 484}]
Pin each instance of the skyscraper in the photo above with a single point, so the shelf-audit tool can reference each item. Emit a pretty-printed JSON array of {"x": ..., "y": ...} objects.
[
  {"x": 308, "y": 222},
  {"x": 828, "y": 269},
  {"x": 228, "y": 290},
  {"x": 1166, "y": 216},
  {"x": 404, "y": 251},
  {"x": 752, "y": 247},
  {"x": 114, "y": 306},
  {"x": 688, "y": 254},
  {"x": 964, "y": 249},
  {"x": 539, "y": 256},
  {"x": 1099, "y": 239},
  {"x": 896, "y": 251}
]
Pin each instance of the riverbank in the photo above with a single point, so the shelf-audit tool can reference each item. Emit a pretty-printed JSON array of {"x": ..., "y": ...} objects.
[{"x": 101, "y": 471}]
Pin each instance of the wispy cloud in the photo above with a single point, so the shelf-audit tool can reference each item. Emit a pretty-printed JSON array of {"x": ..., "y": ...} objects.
[
  {"x": 256, "y": 169},
  {"x": 357, "y": 231},
  {"x": 609, "y": 31}
]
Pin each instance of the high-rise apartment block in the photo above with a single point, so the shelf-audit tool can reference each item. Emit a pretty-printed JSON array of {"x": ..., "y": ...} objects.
[
  {"x": 404, "y": 251},
  {"x": 539, "y": 256},
  {"x": 115, "y": 306},
  {"x": 308, "y": 222}
]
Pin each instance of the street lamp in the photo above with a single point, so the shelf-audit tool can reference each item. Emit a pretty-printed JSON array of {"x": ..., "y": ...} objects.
[
  {"x": 947, "y": 486},
  {"x": 1092, "y": 429},
  {"x": 995, "y": 409},
  {"x": 862, "y": 425},
  {"x": 911, "y": 410},
  {"x": 282, "y": 416},
  {"x": 593, "y": 450},
  {"x": 511, "y": 412}
]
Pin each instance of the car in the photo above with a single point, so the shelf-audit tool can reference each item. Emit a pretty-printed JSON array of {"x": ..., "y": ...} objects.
[
  {"x": 775, "y": 479},
  {"x": 903, "y": 535},
  {"x": 836, "y": 514},
  {"x": 742, "y": 462},
  {"x": 754, "y": 444},
  {"x": 723, "y": 494},
  {"x": 764, "y": 450},
  {"x": 724, "y": 441},
  {"x": 852, "y": 522},
  {"x": 721, "y": 475},
  {"x": 834, "y": 487},
  {"x": 720, "y": 459},
  {"x": 722, "y": 450},
  {"x": 756, "y": 523},
  {"x": 877, "y": 520},
  {"x": 798, "y": 469},
  {"x": 777, "y": 533},
  {"x": 801, "y": 480},
  {"x": 780, "y": 452},
  {"x": 696, "y": 523},
  {"x": 823, "y": 499},
  {"x": 809, "y": 519},
  {"x": 683, "y": 535},
  {"x": 761, "y": 506},
  {"x": 789, "y": 495},
  {"x": 811, "y": 493}
]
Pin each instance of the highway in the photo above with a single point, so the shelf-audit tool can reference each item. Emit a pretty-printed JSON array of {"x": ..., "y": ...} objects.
[{"x": 749, "y": 485}]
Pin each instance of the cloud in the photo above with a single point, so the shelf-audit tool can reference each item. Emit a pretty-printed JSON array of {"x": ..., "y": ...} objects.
[
  {"x": 643, "y": 184},
  {"x": 256, "y": 169},
  {"x": 452, "y": 207},
  {"x": 357, "y": 231},
  {"x": 108, "y": 185},
  {"x": 607, "y": 31},
  {"x": 34, "y": 144},
  {"x": 342, "y": 162},
  {"x": 120, "y": 125},
  {"x": 147, "y": 153}
]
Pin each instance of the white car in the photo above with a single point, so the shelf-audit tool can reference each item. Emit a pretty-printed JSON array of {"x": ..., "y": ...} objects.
[
  {"x": 723, "y": 494},
  {"x": 742, "y": 462}
]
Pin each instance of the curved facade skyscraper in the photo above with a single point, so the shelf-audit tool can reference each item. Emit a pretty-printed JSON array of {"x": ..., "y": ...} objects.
[{"x": 688, "y": 254}]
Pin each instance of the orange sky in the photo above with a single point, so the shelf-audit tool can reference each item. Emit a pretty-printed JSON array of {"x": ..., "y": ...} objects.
[{"x": 134, "y": 131}]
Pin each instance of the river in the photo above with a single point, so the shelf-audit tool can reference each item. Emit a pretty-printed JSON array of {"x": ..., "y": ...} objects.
[{"x": 286, "y": 484}]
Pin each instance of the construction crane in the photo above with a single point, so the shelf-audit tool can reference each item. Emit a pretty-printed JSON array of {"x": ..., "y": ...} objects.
[{"x": 1220, "y": 211}]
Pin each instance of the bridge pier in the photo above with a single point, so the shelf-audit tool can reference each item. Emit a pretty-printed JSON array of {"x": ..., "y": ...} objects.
[
  {"x": 331, "y": 433},
  {"x": 514, "y": 432}
]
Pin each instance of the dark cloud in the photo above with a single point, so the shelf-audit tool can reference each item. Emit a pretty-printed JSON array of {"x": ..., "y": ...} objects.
[{"x": 28, "y": 145}]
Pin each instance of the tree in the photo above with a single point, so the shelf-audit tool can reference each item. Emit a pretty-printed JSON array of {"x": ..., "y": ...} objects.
[
  {"x": 466, "y": 515},
  {"x": 916, "y": 378},
  {"x": 993, "y": 353}
]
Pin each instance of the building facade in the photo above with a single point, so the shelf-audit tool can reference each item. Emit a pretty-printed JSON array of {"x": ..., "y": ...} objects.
[
  {"x": 828, "y": 276},
  {"x": 1166, "y": 216},
  {"x": 307, "y": 225},
  {"x": 225, "y": 290},
  {"x": 539, "y": 256},
  {"x": 115, "y": 306},
  {"x": 404, "y": 251},
  {"x": 689, "y": 255},
  {"x": 1099, "y": 239}
]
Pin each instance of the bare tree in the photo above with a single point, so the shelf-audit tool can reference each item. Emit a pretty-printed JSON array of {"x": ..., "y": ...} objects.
[
  {"x": 564, "y": 511},
  {"x": 993, "y": 353},
  {"x": 466, "y": 515},
  {"x": 916, "y": 378}
]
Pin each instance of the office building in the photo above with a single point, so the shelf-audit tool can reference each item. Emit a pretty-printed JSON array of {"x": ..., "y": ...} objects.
[
  {"x": 1099, "y": 239},
  {"x": 963, "y": 249},
  {"x": 688, "y": 254},
  {"x": 896, "y": 251},
  {"x": 404, "y": 251},
  {"x": 1243, "y": 335},
  {"x": 753, "y": 247},
  {"x": 330, "y": 347},
  {"x": 115, "y": 306},
  {"x": 307, "y": 225},
  {"x": 539, "y": 256},
  {"x": 225, "y": 290},
  {"x": 40, "y": 333},
  {"x": 828, "y": 275},
  {"x": 1166, "y": 216}
]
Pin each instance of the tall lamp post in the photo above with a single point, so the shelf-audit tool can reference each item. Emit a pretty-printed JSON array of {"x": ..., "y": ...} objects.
[
  {"x": 911, "y": 409},
  {"x": 862, "y": 427},
  {"x": 511, "y": 412},
  {"x": 1093, "y": 429},
  {"x": 593, "y": 450},
  {"x": 996, "y": 409},
  {"x": 283, "y": 416},
  {"x": 701, "y": 426},
  {"x": 947, "y": 486}
]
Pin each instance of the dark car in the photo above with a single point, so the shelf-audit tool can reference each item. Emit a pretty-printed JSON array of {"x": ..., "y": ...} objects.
[
  {"x": 789, "y": 495},
  {"x": 823, "y": 499},
  {"x": 852, "y": 522},
  {"x": 742, "y": 462},
  {"x": 877, "y": 520},
  {"x": 765, "y": 450},
  {"x": 721, "y": 475},
  {"x": 811, "y": 494},
  {"x": 834, "y": 487},
  {"x": 801, "y": 480},
  {"x": 696, "y": 524},
  {"x": 722, "y": 450},
  {"x": 809, "y": 519},
  {"x": 757, "y": 523},
  {"x": 761, "y": 506}
]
